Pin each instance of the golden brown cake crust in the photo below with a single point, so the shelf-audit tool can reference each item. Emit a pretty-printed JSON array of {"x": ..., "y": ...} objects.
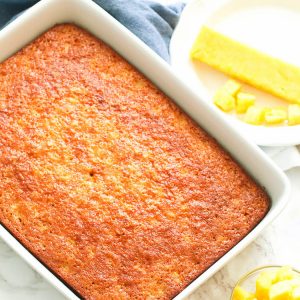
[{"x": 105, "y": 180}]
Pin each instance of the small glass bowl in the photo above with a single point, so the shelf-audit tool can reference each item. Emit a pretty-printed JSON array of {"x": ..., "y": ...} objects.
[{"x": 248, "y": 281}]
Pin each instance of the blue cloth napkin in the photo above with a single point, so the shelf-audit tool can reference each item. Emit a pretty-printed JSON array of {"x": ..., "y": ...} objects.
[{"x": 152, "y": 22}]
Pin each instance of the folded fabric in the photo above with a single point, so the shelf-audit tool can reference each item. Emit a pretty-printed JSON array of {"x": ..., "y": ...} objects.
[
  {"x": 152, "y": 22},
  {"x": 10, "y": 8}
]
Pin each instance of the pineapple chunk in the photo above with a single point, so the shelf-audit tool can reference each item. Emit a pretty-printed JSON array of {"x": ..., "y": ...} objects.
[
  {"x": 224, "y": 97},
  {"x": 243, "y": 102},
  {"x": 275, "y": 115},
  {"x": 294, "y": 114},
  {"x": 263, "y": 285},
  {"x": 285, "y": 273},
  {"x": 224, "y": 100},
  {"x": 280, "y": 291},
  {"x": 241, "y": 294},
  {"x": 272, "y": 274},
  {"x": 296, "y": 293},
  {"x": 254, "y": 115},
  {"x": 295, "y": 282},
  {"x": 232, "y": 87}
]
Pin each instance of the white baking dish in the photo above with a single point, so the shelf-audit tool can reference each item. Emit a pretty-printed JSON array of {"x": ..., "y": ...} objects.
[{"x": 87, "y": 14}]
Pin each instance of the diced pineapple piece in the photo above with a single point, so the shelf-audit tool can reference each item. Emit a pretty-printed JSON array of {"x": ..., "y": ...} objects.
[
  {"x": 275, "y": 115},
  {"x": 272, "y": 274},
  {"x": 243, "y": 102},
  {"x": 241, "y": 294},
  {"x": 285, "y": 273},
  {"x": 224, "y": 97},
  {"x": 254, "y": 115},
  {"x": 294, "y": 114},
  {"x": 280, "y": 291},
  {"x": 232, "y": 87},
  {"x": 295, "y": 282},
  {"x": 296, "y": 293},
  {"x": 263, "y": 285},
  {"x": 224, "y": 100}
]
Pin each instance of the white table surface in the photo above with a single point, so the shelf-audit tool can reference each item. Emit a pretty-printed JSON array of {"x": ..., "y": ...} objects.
[{"x": 278, "y": 244}]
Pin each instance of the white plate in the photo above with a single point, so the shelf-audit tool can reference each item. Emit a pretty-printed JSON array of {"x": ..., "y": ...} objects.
[
  {"x": 271, "y": 26},
  {"x": 87, "y": 14}
]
